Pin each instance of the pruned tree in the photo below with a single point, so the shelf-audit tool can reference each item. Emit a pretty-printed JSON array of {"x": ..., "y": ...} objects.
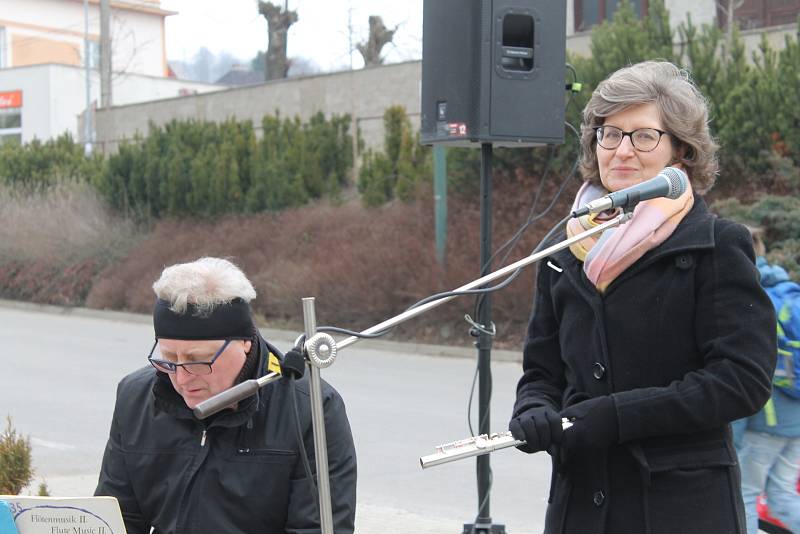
[
  {"x": 278, "y": 20},
  {"x": 728, "y": 8},
  {"x": 379, "y": 36}
]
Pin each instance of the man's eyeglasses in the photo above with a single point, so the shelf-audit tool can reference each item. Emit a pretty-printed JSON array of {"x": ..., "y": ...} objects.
[
  {"x": 642, "y": 139},
  {"x": 193, "y": 368}
]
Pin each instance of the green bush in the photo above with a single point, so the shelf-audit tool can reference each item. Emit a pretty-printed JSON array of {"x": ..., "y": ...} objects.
[
  {"x": 779, "y": 216},
  {"x": 207, "y": 169},
  {"x": 398, "y": 171},
  {"x": 760, "y": 117},
  {"x": 15, "y": 461},
  {"x": 40, "y": 164}
]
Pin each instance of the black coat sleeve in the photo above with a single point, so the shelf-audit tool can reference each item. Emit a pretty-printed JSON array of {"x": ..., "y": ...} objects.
[
  {"x": 543, "y": 379},
  {"x": 114, "y": 481},
  {"x": 303, "y": 515},
  {"x": 735, "y": 334}
]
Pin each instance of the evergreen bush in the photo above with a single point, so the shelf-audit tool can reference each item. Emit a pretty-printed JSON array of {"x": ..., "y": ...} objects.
[
  {"x": 401, "y": 168},
  {"x": 15, "y": 461},
  {"x": 38, "y": 164},
  {"x": 208, "y": 169}
]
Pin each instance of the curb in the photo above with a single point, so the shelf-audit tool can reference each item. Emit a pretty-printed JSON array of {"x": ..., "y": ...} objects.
[{"x": 425, "y": 349}]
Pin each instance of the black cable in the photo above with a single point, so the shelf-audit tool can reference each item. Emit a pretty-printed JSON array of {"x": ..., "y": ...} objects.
[
  {"x": 469, "y": 403},
  {"x": 574, "y": 130},
  {"x": 345, "y": 331},
  {"x": 518, "y": 234},
  {"x": 512, "y": 241},
  {"x": 533, "y": 218},
  {"x": 574, "y": 73},
  {"x": 301, "y": 443},
  {"x": 446, "y": 294},
  {"x": 572, "y": 91}
]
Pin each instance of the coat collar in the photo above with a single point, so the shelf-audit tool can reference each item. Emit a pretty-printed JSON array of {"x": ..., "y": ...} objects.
[
  {"x": 694, "y": 232},
  {"x": 167, "y": 399}
]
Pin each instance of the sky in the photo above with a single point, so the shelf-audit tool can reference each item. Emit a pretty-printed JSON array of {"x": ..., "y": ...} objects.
[{"x": 320, "y": 33}]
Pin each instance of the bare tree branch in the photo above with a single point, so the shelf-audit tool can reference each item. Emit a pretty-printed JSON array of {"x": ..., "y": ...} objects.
[
  {"x": 278, "y": 20},
  {"x": 379, "y": 36}
]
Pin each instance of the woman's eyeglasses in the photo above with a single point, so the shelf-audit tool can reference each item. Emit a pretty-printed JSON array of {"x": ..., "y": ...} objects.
[{"x": 642, "y": 139}]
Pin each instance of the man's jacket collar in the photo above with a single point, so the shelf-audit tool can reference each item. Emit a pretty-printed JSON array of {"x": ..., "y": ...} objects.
[{"x": 168, "y": 400}]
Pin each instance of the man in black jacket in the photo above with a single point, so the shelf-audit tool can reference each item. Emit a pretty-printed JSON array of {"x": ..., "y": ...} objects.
[{"x": 240, "y": 471}]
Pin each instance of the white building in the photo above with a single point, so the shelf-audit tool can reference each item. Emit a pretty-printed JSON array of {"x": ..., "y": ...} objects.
[
  {"x": 42, "y": 52},
  {"x": 52, "y": 31},
  {"x": 44, "y": 101}
]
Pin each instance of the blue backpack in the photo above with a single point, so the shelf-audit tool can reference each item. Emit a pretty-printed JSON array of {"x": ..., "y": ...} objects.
[{"x": 785, "y": 296}]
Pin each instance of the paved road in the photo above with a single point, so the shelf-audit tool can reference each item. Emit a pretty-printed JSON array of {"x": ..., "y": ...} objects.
[{"x": 60, "y": 372}]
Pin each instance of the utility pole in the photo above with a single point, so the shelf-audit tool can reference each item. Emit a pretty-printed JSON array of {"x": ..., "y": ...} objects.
[
  {"x": 351, "y": 78},
  {"x": 105, "y": 54},
  {"x": 87, "y": 114},
  {"x": 350, "y": 33}
]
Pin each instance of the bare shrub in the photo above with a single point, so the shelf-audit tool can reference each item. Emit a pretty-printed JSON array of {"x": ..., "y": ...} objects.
[
  {"x": 54, "y": 241},
  {"x": 363, "y": 265},
  {"x": 63, "y": 223}
]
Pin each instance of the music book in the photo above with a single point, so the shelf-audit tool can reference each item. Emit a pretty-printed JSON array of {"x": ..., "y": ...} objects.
[{"x": 64, "y": 515}]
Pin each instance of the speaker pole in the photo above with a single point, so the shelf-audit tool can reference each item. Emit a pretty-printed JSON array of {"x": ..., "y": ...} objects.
[{"x": 483, "y": 522}]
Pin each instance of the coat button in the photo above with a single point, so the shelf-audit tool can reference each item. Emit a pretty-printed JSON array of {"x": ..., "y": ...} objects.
[
  {"x": 598, "y": 371},
  {"x": 598, "y": 498}
]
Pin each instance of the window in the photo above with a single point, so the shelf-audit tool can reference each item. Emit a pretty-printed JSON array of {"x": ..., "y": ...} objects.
[
  {"x": 760, "y": 13},
  {"x": 10, "y": 125},
  {"x": 11, "y": 117},
  {"x": 589, "y": 13}
]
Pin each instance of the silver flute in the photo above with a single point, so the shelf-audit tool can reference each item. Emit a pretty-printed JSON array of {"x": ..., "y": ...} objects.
[{"x": 475, "y": 446}]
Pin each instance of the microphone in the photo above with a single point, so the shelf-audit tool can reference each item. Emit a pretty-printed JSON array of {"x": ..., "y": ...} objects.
[{"x": 670, "y": 183}]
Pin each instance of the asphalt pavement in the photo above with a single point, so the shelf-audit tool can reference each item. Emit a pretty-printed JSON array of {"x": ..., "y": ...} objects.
[{"x": 59, "y": 377}]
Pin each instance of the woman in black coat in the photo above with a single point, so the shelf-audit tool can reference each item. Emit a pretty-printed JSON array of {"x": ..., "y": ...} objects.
[{"x": 650, "y": 338}]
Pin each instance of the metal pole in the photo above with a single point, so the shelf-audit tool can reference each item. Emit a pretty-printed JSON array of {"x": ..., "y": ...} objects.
[
  {"x": 440, "y": 200},
  {"x": 105, "y": 54},
  {"x": 483, "y": 523},
  {"x": 245, "y": 389},
  {"x": 318, "y": 422},
  {"x": 87, "y": 114},
  {"x": 484, "y": 280}
]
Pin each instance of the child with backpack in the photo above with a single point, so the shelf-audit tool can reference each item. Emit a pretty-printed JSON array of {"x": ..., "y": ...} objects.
[{"x": 769, "y": 449}]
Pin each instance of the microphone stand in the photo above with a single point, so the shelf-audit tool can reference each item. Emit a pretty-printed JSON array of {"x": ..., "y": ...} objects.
[{"x": 321, "y": 350}]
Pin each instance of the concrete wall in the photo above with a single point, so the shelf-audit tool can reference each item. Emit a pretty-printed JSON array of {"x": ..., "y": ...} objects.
[
  {"x": 364, "y": 94},
  {"x": 54, "y": 95}
]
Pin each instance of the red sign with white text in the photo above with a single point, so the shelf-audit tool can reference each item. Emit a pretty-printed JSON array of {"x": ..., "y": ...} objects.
[{"x": 11, "y": 99}]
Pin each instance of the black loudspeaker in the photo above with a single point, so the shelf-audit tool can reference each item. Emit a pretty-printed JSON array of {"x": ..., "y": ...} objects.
[{"x": 493, "y": 71}]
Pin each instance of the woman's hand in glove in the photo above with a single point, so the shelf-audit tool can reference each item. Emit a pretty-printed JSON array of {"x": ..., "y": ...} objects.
[{"x": 539, "y": 426}]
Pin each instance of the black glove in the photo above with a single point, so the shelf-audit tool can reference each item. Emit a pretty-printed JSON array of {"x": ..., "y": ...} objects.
[
  {"x": 539, "y": 426},
  {"x": 594, "y": 425}
]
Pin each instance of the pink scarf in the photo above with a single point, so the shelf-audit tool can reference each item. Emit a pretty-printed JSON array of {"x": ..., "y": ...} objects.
[{"x": 607, "y": 256}]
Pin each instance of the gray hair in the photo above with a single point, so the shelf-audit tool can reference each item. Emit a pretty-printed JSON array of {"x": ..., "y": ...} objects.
[
  {"x": 682, "y": 108},
  {"x": 204, "y": 283}
]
